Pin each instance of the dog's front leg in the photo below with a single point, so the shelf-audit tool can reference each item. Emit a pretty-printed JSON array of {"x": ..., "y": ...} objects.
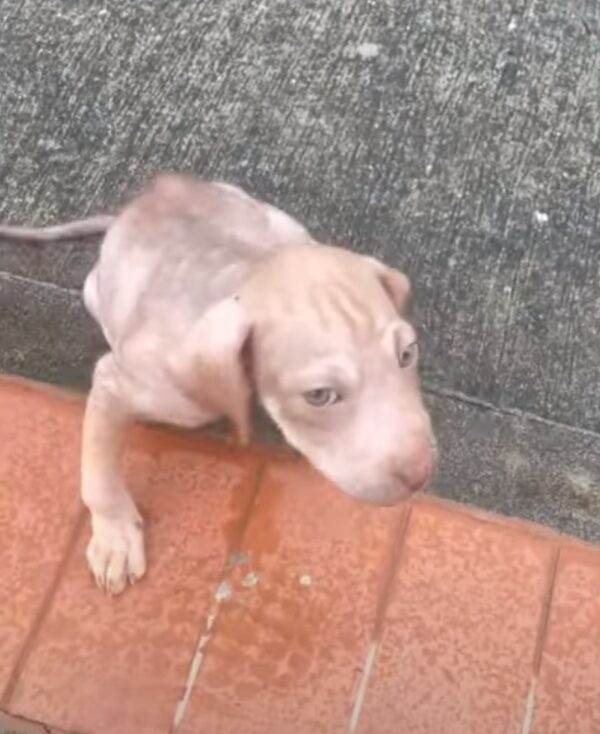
[{"x": 115, "y": 553}]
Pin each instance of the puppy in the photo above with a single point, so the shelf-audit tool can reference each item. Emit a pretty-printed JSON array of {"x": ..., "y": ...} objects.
[{"x": 207, "y": 295}]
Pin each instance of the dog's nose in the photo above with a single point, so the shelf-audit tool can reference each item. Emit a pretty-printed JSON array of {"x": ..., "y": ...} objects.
[{"x": 415, "y": 472}]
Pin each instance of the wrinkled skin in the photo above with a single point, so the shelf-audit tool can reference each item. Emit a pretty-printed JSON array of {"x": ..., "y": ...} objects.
[{"x": 206, "y": 296}]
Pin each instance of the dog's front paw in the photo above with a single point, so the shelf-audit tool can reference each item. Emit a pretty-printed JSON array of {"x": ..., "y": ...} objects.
[{"x": 115, "y": 554}]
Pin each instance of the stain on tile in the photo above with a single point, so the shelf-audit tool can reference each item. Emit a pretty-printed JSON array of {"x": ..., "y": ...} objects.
[
  {"x": 458, "y": 641},
  {"x": 567, "y": 697},
  {"x": 118, "y": 665},
  {"x": 17, "y": 725},
  {"x": 289, "y": 648},
  {"x": 39, "y": 506}
]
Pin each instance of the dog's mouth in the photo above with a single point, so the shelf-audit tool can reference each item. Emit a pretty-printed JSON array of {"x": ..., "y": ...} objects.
[
  {"x": 398, "y": 487},
  {"x": 382, "y": 495}
]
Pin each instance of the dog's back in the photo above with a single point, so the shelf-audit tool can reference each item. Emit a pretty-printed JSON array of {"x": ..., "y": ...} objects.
[{"x": 182, "y": 245}]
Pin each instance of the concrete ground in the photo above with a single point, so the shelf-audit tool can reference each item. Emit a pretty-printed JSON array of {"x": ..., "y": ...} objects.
[{"x": 459, "y": 141}]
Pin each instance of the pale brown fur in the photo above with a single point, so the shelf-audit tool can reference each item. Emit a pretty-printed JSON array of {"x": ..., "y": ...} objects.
[{"x": 206, "y": 295}]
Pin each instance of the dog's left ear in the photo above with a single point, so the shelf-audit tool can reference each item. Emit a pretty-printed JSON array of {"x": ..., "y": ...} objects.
[
  {"x": 210, "y": 365},
  {"x": 395, "y": 283}
]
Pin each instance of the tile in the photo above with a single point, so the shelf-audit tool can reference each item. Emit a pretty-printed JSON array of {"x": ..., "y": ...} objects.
[
  {"x": 459, "y": 634},
  {"x": 293, "y": 635},
  {"x": 568, "y": 690},
  {"x": 39, "y": 505},
  {"x": 119, "y": 665},
  {"x": 15, "y": 725}
]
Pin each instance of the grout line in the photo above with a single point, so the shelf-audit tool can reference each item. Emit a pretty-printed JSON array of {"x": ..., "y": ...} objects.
[
  {"x": 5, "y": 275},
  {"x": 363, "y": 685},
  {"x": 8, "y": 721},
  {"x": 40, "y": 615},
  {"x": 460, "y": 397},
  {"x": 545, "y": 612},
  {"x": 382, "y": 604},
  {"x": 529, "y": 707},
  {"x": 236, "y": 542},
  {"x": 222, "y": 593},
  {"x": 540, "y": 641}
]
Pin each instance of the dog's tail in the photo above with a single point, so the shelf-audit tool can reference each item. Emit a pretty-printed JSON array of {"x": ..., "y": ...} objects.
[{"x": 69, "y": 231}]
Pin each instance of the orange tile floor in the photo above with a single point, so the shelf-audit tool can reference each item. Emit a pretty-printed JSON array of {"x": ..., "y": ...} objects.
[{"x": 275, "y": 604}]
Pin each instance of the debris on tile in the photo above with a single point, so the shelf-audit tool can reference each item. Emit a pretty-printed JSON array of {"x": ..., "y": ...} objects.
[
  {"x": 197, "y": 661},
  {"x": 250, "y": 580},
  {"x": 541, "y": 217},
  {"x": 224, "y": 591},
  {"x": 237, "y": 558},
  {"x": 305, "y": 580}
]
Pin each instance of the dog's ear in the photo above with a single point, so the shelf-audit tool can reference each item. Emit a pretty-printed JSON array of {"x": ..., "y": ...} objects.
[
  {"x": 210, "y": 365},
  {"x": 395, "y": 283}
]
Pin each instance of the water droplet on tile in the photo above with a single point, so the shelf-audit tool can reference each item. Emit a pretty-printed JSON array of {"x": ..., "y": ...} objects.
[
  {"x": 250, "y": 580},
  {"x": 224, "y": 591}
]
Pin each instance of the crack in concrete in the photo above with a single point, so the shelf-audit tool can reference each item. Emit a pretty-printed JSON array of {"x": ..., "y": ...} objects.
[
  {"x": 14, "y": 278},
  {"x": 475, "y": 402}
]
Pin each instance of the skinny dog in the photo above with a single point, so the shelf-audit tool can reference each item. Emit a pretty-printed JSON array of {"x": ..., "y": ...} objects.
[{"x": 207, "y": 295}]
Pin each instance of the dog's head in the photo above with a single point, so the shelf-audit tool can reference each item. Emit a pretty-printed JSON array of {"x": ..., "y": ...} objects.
[{"x": 319, "y": 333}]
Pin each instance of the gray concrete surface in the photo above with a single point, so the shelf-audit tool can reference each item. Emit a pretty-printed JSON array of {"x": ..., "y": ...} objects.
[{"x": 458, "y": 140}]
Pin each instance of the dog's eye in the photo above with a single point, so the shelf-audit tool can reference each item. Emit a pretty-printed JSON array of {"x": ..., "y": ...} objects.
[
  {"x": 408, "y": 356},
  {"x": 321, "y": 397}
]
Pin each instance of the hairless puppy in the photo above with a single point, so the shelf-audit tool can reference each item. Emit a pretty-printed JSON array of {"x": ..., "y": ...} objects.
[{"x": 206, "y": 295}]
